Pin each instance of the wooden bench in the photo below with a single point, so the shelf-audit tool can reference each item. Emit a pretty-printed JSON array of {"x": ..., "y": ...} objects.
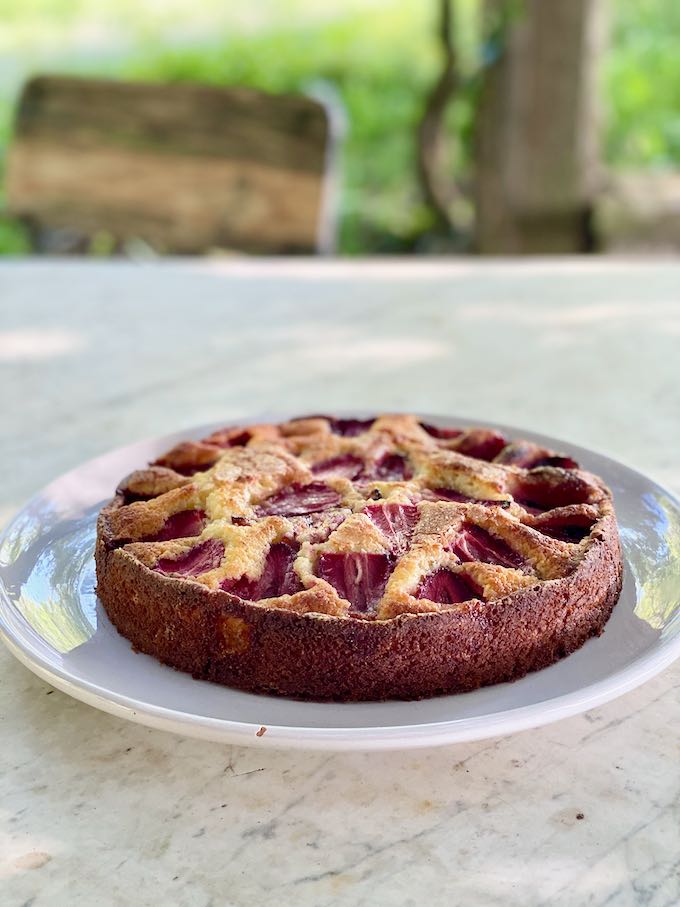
[{"x": 179, "y": 168}]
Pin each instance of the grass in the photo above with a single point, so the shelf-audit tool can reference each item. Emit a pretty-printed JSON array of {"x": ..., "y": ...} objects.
[{"x": 376, "y": 57}]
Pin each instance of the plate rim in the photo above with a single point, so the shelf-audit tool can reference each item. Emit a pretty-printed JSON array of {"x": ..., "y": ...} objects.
[{"x": 385, "y": 737}]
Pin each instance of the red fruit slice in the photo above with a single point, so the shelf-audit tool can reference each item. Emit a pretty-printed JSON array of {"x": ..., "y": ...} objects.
[
  {"x": 442, "y": 433},
  {"x": 183, "y": 525},
  {"x": 350, "y": 428},
  {"x": 448, "y": 494},
  {"x": 530, "y": 506},
  {"x": 346, "y": 465},
  {"x": 222, "y": 438},
  {"x": 447, "y": 588},
  {"x": 538, "y": 493},
  {"x": 562, "y": 462},
  {"x": 528, "y": 456},
  {"x": 520, "y": 453},
  {"x": 572, "y": 528},
  {"x": 239, "y": 440},
  {"x": 475, "y": 544},
  {"x": 130, "y": 497},
  {"x": 298, "y": 500},
  {"x": 392, "y": 468},
  {"x": 358, "y": 577},
  {"x": 396, "y": 521},
  {"x": 481, "y": 444},
  {"x": 189, "y": 457},
  {"x": 206, "y": 556},
  {"x": 570, "y": 533},
  {"x": 278, "y": 577}
]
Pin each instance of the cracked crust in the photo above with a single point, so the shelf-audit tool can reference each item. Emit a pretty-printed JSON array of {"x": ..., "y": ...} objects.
[{"x": 312, "y": 643}]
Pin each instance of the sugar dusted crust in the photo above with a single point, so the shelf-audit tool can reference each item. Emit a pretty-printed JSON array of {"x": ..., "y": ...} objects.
[{"x": 345, "y": 560}]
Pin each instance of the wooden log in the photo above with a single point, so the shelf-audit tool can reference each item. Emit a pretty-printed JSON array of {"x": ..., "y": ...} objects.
[{"x": 183, "y": 167}]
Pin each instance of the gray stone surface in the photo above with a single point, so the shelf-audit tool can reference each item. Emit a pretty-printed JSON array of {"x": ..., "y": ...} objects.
[{"x": 95, "y": 811}]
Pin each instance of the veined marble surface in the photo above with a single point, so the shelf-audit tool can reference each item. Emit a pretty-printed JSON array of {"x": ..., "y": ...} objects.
[{"x": 95, "y": 811}]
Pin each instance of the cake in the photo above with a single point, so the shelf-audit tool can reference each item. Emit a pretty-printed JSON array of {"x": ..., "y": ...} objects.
[{"x": 359, "y": 559}]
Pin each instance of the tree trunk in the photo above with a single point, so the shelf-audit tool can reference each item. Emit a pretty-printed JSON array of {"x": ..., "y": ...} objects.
[
  {"x": 537, "y": 152},
  {"x": 438, "y": 184}
]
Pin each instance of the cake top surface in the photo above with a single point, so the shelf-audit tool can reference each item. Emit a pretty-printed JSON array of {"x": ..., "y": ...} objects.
[{"x": 359, "y": 518}]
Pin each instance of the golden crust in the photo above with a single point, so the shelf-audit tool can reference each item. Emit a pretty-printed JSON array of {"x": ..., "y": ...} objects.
[{"x": 229, "y": 478}]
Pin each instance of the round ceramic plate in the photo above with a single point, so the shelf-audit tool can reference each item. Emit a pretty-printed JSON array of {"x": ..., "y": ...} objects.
[{"x": 51, "y": 620}]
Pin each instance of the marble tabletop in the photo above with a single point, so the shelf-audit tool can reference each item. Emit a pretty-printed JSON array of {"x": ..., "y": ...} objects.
[{"x": 96, "y": 811}]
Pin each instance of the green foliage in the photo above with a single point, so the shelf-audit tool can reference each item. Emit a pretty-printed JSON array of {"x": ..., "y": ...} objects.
[
  {"x": 378, "y": 57},
  {"x": 378, "y": 74},
  {"x": 642, "y": 84},
  {"x": 13, "y": 238}
]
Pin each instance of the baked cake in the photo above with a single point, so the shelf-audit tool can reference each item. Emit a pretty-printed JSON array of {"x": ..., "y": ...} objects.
[{"x": 359, "y": 559}]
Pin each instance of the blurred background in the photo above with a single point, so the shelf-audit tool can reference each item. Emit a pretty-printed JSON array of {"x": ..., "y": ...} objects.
[{"x": 449, "y": 126}]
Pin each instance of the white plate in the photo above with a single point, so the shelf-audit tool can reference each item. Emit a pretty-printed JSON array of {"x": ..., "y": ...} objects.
[{"x": 51, "y": 621}]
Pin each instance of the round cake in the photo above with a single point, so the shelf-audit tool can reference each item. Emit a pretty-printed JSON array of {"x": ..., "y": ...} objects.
[{"x": 359, "y": 559}]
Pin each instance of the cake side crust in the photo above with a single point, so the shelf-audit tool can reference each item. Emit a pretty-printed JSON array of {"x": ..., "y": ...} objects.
[{"x": 218, "y": 637}]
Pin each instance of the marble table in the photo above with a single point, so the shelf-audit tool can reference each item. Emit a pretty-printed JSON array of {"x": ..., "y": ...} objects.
[{"x": 95, "y": 811}]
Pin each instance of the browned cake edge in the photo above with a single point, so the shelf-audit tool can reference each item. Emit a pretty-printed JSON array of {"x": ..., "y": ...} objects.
[{"x": 216, "y": 636}]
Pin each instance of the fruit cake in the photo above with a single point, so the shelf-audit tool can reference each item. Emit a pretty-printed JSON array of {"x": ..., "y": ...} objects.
[{"x": 359, "y": 559}]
